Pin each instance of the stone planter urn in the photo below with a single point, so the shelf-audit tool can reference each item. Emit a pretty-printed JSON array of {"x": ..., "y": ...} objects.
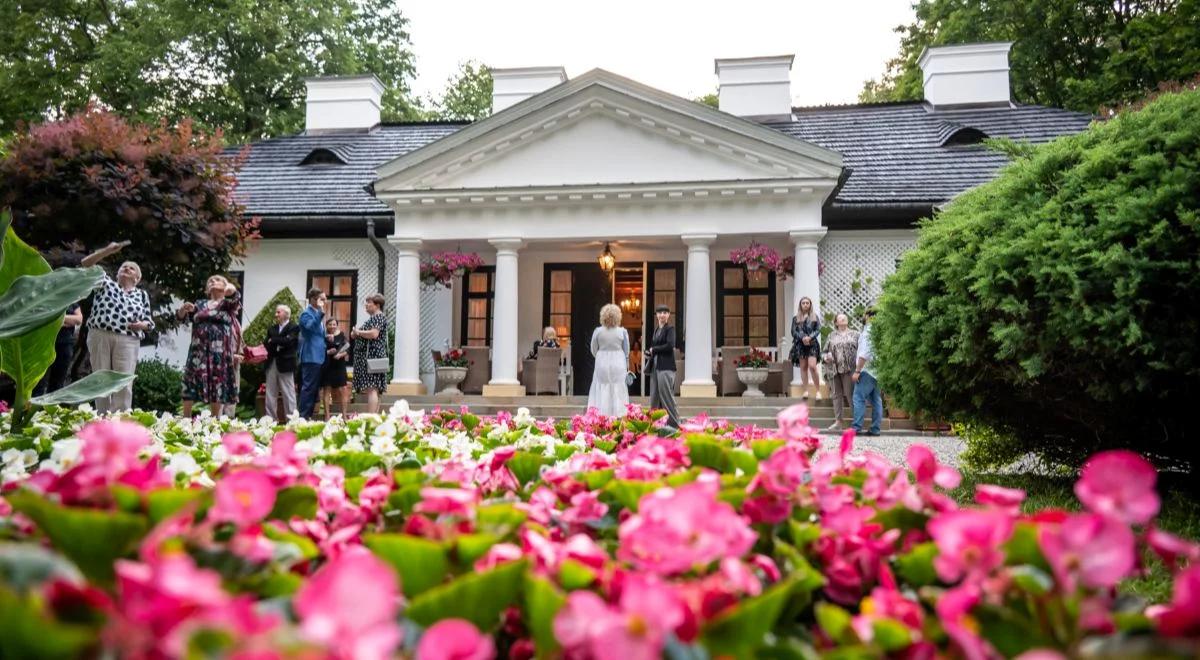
[
  {"x": 451, "y": 376},
  {"x": 752, "y": 378}
]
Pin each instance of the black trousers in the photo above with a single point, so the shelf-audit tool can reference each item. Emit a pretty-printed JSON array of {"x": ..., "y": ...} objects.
[{"x": 56, "y": 377}]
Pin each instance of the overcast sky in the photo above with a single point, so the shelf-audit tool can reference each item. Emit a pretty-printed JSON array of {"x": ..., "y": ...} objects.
[{"x": 668, "y": 44}]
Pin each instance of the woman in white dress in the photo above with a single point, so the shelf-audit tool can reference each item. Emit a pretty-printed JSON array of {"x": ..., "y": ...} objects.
[{"x": 610, "y": 346}]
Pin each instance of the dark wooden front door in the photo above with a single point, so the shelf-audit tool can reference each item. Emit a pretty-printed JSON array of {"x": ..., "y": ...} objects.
[
  {"x": 588, "y": 290},
  {"x": 664, "y": 286}
]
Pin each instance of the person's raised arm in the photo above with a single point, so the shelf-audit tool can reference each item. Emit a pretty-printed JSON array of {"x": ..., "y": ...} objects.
[
  {"x": 103, "y": 253},
  {"x": 310, "y": 321}
]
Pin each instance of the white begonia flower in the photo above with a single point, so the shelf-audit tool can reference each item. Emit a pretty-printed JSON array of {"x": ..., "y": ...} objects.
[
  {"x": 399, "y": 410},
  {"x": 386, "y": 429},
  {"x": 66, "y": 452},
  {"x": 354, "y": 444},
  {"x": 383, "y": 446},
  {"x": 183, "y": 463},
  {"x": 523, "y": 418}
]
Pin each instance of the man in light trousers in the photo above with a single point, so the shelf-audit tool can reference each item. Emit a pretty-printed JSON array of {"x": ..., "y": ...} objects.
[
  {"x": 660, "y": 366},
  {"x": 281, "y": 342},
  {"x": 865, "y": 384}
]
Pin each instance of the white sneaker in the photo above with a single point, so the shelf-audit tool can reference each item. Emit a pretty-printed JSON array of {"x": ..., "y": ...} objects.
[
  {"x": 805, "y": 394},
  {"x": 818, "y": 395},
  {"x": 836, "y": 426}
]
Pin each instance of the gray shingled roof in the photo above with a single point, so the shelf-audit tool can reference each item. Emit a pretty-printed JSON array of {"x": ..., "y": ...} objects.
[{"x": 894, "y": 153}]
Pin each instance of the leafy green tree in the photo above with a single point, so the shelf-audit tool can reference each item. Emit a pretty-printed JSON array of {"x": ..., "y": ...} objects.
[
  {"x": 467, "y": 95},
  {"x": 711, "y": 99},
  {"x": 238, "y": 65},
  {"x": 1059, "y": 304},
  {"x": 1078, "y": 54},
  {"x": 76, "y": 185}
]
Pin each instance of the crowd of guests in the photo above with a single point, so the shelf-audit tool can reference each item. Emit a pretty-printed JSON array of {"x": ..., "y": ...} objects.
[
  {"x": 847, "y": 356},
  {"x": 315, "y": 348}
]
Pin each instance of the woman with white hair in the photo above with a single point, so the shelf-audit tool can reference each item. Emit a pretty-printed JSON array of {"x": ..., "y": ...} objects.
[
  {"x": 210, "y": 373},
  {"x": 610, "y": 345},
  {"x": 119, "y": 319}
]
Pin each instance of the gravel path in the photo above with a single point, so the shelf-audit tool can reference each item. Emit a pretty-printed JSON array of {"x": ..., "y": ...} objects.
[{"x": 947, "y": 448}]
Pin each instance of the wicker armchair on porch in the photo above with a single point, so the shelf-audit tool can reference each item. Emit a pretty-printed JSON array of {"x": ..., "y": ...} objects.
[
  {"x": 728, "y": 383},
  {"x": 479, "y": 369},
  {"x": 540, "y": 375}
]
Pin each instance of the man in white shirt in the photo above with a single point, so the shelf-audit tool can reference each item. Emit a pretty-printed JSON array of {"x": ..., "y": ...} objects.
[{"x": 865, "y": 384}]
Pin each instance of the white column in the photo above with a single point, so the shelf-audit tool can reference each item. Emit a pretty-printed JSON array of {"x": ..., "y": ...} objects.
[
  {"x": 504, "y": 321},
  {"x": 698, "y": 348},
  {"x": 406, "y": 374},
  {"x": 808, "y": 281}
]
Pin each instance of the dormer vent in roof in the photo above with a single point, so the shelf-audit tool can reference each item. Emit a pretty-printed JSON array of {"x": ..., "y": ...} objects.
[
  {"x": 757, "y": 88},
  {"x": 966, "y": 76},
  {"x": 342, "y": 104},
  {"x": 323, "y": 156},
  {"x": 953, "y": 134},
  {"x": 511, "y": 86}
]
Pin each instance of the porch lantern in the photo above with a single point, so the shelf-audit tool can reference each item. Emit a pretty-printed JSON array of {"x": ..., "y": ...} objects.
[{"x": 607, "y": 260}]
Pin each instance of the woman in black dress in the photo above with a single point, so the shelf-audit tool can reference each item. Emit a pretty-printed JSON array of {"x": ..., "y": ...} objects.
[
  {"x": 333, "y": 373},
  {"x": 370, "y": 343},
  {"x": 806, "y": 345}
]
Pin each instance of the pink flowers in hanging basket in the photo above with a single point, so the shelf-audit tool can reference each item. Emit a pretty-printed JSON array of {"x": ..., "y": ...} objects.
[
  {"x": 756, "y": 256},
  {"x": 440, "y": 268}
]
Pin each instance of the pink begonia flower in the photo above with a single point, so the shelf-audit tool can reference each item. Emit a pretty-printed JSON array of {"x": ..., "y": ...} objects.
[
  {"x": 1170, "y": 548},
  {"x": 349, "y": 606},
  {"x": 954, "y": 612},
  {"x": 501, "y": 553},
  {"x": 794, "y": 427},
  {"x": 455, "y": 639},
  {"x": 242, "y": 497},
  {"x": 781, "y": 473},
  {"x": 769, "y": 509},
  {"x": 541, "y": 507},
  {"x": 767, "y": 566},
  {"x": 927, "y": 471},
  {"x": 284, "y": 464},
  {"x": 1006, "y": 499},
  {"x": 676, "y": 530},
  {"x": 652, "y": 457},
  {"x": 969, "y": 542},
  {"x": 448, "y": 501},
  {"x": 549, "y": 554},
  {"x": 1041, "y": 654},
  {"x": 1119, "y": 483},
  {"x": 113, "y": 444},
  {"x": 585, "y": 507},
  {"x": 331, "y": 489},
  {"x": 1089, "y": 548},
  {"x": 1181, "y": 618},
  {"x": 238, "y": 443},
  {"x": 636, "y": 629}
]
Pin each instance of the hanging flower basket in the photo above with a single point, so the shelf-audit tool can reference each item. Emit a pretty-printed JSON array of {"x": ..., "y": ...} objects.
[
  {"x": 440, "y": 268},
  {"x": 787, "y": 268},
  {"x": 756, "y": 256}
]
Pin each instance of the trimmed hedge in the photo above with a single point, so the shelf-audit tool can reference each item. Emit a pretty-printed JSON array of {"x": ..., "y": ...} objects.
[
  {"x": 158, "y": 387},
  {"x": 1056, "y": 309}
]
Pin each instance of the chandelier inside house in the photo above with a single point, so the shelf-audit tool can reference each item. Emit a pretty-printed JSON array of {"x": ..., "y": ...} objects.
[{"x": 632, "y": 303}]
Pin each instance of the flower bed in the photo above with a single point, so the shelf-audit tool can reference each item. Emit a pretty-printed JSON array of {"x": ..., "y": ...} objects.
[{"x": 441, "y": 534}]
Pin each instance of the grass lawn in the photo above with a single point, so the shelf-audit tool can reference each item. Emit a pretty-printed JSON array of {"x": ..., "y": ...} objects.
[{"x": 1180, "y": 515}]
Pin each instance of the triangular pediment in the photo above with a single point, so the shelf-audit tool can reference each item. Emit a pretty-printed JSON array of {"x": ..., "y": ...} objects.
[{"x": 604, "y": 129}]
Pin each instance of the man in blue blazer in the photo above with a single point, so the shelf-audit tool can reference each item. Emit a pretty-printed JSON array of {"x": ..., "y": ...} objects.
[{"x": 312, "y": 351}]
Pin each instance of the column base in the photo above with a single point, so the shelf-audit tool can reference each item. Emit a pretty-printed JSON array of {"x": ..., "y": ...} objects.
[
  {"x": 504, "y": 389},
  {"x": 405, "y": 389},
  {"x": 697, "y": 390}
]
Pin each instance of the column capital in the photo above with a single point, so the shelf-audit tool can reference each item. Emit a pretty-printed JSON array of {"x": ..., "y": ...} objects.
[
  {"x": 807, "y": 237},
  {"x": 698, "y": 240},
  {"x": 403, "y": 244},
  {"x": 507, "y": 244}
]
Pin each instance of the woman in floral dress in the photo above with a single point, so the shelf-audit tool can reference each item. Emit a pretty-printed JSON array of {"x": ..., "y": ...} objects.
[
  {"x": 209, "y": 374},
  {"x": 370, "y": 343}
]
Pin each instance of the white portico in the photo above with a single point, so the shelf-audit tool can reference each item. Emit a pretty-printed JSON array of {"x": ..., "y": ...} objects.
[{"x": 595, "y": 160}]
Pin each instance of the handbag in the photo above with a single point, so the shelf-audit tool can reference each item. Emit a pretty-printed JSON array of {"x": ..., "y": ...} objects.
[
  {"x": 629, "y": 378},
  {"x": 254, "y": 354},
  {"x": 378, "y": 365}
]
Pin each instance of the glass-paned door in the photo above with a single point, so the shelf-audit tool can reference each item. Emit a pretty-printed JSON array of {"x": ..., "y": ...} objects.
[{"x": 745, "y": 306}]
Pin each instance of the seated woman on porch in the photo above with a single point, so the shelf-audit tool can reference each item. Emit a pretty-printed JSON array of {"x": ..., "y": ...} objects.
[
  {"x": 610, "y": 345},
  {"x": 549, "y": 340}
]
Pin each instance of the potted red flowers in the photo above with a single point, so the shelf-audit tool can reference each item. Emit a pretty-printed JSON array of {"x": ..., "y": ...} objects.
[
  {"x": 452, "y": 370},
  {"x": 752, "y": 369}
]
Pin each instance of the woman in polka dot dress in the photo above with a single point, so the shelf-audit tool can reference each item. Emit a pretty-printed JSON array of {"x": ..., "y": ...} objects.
[
  {"x": 209, "y": 373},
  {"x": 370, "y": 342}
]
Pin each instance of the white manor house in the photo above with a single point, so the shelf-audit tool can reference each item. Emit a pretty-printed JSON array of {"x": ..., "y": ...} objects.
[{"x": 566, "y": 169}]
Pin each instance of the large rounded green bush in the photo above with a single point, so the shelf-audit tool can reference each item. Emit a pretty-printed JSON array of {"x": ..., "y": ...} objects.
[
  {"x": 158, "y": 386},
  {"x": 1058, "y": 306}
]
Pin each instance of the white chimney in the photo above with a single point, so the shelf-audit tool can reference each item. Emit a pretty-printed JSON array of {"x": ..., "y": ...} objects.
[
  {"x": 342, "y": 104},
  {"x": 755, "y": 87},
  {"x": 511, "y": 86},
  {"x": 969, "y": 75}
]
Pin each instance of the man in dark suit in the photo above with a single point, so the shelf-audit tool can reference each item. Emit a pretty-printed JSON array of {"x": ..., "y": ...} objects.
[
  {"x": 281, "y": 342},
  {"x": 661, "y": 365}
]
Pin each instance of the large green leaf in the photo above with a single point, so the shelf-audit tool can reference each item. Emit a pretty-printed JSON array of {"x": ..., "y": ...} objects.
[
  {"x": 35, "y": 300},
  {"x": 744, "y": 627},
  {"x": 91, "y": 538},
  {"x": 421, "y": 563},
  {"x": 526, "y": 466},
  {"x": 28, "y": 632},
  {"x": 543, "y": 600},
  {"x": 355, "y": 462},
  {"x": 24, "y": 358},
  {"x": 91, "y": 386},
  {"x": 477, "y": 597},
  {"x": 294, "y": 501}
]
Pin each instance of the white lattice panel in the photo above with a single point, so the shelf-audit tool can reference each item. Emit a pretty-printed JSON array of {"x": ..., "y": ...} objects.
[
  {"x": 854, "y": 269},
  {"x": 365, "y": 260}
]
